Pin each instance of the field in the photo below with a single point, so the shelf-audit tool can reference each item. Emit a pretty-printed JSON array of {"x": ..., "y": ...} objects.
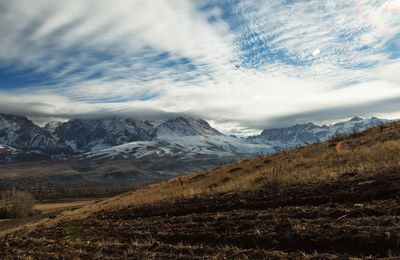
[
  {"x": 50, "y": 207},
  {"x": 348, "y": 217},
  {"x": 338, "y": 199},
  {"x": 44, "y": 210}
]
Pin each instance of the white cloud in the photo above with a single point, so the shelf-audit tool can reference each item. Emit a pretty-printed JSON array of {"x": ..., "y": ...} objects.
[
  {"x": 124, "y": 28},
  {"x": 317, "y": 56},
  {"x": 316, "y": 52}
]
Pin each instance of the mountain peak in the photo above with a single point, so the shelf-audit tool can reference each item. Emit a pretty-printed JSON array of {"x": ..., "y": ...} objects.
[
  {"x": 51, "y": 126},
  {"x": 21, "y": 133},
  {"x": 356, "y": 118},
  {"x": 185, "y": 126},
  {"x": 308, "y": 125}
]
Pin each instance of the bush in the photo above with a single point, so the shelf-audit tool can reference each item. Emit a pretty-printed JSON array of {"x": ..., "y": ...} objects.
[{"x": 21, "y": 204}]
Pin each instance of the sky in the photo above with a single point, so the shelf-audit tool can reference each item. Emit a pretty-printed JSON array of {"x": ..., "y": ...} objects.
[{"x": 242, "y": 65}]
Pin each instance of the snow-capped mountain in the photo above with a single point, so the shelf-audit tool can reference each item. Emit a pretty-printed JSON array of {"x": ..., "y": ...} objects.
[
  {"x": 184, "y": 147},
  {"x": 92, "y": 135},
  {"x": 176, "y": 138},
  {"x": 96, "y": 135},
  {"x": 51, "y": 126},
  {"x": 182, "y": 137},
  {"x": 18, "y": 133},
  {"x": 303, "y": 134},
  {"x": 184, "y": 126},
  {"x": 179, "y": 137}
]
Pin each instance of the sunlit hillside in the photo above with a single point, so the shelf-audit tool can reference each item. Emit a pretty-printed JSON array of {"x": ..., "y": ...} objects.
[{"x": 364, "y": 153}]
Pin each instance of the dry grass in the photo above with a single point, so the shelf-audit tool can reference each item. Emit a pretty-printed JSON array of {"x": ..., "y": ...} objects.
[
  {"x": 48, "y": 207},
  {"x": 365, "y": 153}
]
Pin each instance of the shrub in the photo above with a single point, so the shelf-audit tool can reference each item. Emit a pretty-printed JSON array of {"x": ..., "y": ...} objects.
[{"x": 21, "y": 204}]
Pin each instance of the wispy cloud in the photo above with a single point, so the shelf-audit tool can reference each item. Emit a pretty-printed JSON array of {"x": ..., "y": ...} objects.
[{"x": 240, "y": 64}]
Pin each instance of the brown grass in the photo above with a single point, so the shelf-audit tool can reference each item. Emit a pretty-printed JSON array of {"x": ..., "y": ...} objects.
[
  {"x": 364, "y": 153},
  {"x": 48, "y": 207}
]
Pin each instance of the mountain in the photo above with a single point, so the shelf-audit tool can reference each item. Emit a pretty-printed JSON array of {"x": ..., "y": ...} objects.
[
  {"x": 126, "y": 152},
  {"x": 178, "y": 138},
  {"x": 182, "y": 138},
  {"x": 185, "y": 126},
  {"x": 92, "y": 135},
  {"x": 24, "y": 140},
  {"x": 303, "y": 134},
  {"x": 21, "y": 133},
  {"x": 51, "y": 126}
]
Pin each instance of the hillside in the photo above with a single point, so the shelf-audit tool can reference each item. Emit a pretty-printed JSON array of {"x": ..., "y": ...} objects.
[
  {"x": 372, "y": 151},
  {"x": 338, "y": 198}
]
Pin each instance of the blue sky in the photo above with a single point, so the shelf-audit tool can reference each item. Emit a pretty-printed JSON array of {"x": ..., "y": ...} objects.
[{"x": 243, "y": 65}]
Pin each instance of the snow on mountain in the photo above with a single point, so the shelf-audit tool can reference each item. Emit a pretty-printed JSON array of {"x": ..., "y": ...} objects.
[
  {"x": 196, "y": 136},
  {"x": 94, "y": 135},
  {"x": 303, "y": 134},
  {"x": 355, "y": 124},
  {"x": 185, "y": 144},
  {"x": 185, "y": 126},
  {"x": 176, "y": 138},
  {"x": 98, "y": 135},
  {"x": 137, "y": 149},
  {"x": 225, "y": 145},
  {"x": 19, "y": 132},
  {"x": 51, "y": 126}
]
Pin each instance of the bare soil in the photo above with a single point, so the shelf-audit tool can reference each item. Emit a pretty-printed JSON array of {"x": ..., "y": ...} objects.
[{"x": 354, "y": 216}]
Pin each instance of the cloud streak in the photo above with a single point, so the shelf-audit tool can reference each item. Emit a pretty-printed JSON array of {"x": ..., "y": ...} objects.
[{"x": 241, "y": 64}]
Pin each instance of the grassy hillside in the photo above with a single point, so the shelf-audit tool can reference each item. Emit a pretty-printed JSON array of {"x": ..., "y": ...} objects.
[
  {"x": 339, "y": 198},
  {"x": 366, "y": 153}
]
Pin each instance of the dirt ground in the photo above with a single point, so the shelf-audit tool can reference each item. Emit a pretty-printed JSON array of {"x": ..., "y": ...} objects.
[{"x": 353, "y": 216}]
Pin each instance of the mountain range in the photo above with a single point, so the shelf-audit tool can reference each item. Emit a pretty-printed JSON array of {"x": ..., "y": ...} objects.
[
  {"x": 303, "y": 134},
  {"x": 152, "y": 149},
  {"x": 122, "y": 136}
]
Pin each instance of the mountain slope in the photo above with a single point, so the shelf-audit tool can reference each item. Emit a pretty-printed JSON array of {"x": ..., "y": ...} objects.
[
  {"x": 21, "y": 133},
  {"x": 303, "y": 134},
  {"x": 92, "y": 135},
  {"x": 26, "y": 141},
  {"x": 184, "y": 126}
]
